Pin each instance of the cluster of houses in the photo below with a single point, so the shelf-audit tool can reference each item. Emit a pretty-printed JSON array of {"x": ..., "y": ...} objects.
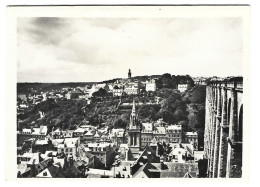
[
  {"x": 200, "y": 80},
  {"x": 127, "y": 86},
  {"x": 142, "y": 150},
  {"x": 153, "y": 150}
]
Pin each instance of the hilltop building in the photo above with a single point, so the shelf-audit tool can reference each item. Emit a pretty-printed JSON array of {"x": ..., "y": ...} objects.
[
  {"x": 150, "y": 86},
  {"x": 183, "y": 87},
  {"x": 129, "y": 74}
]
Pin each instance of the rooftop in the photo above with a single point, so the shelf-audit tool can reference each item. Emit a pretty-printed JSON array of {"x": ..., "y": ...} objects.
[
  {"x": 191, "y": 134},
  {"x": 174, "y": 127}
]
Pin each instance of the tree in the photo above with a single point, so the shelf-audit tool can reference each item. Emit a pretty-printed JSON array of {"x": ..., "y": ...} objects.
[
  {"x": 166, "y": 80},
  {"x": 100, "y": 93},
  {"x": 120, "y": 123}
]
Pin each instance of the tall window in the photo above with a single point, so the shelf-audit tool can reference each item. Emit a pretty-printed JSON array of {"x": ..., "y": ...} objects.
[{"x": 240, "y": 127}]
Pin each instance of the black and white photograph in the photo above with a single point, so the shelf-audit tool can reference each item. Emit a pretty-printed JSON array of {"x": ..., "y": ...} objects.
[{"x": 130, "y": 91}]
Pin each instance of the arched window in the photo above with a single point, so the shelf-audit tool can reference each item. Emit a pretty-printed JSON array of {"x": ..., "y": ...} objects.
[
  {"x": 216, "y": 99},
  {"x": 240, "y": 124},
  {"x": 220, "y": 104},
  {"x": 229, "y": 111}
]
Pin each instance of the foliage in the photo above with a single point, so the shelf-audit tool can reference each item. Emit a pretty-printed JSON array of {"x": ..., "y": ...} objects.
[
  {"x": 187, "y": 110},
  {"x": 100, "y": 93},
  {"x": 196, "y": 95},
  {"x": 168, "y": 81}
]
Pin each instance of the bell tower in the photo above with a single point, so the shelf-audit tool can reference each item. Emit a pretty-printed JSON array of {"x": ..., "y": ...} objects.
[
  {"x": 134, "y": 132},
  {"x": 129, "y": 74}
]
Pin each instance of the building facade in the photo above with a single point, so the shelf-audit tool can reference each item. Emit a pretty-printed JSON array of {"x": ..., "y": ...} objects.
[
  {"x": 183, "y": 87},
  {"x": 103, "y": 151},
  {"x": 150, "y": 86},
  {"x": 192, "y": 137},
  {"x": 132, "y": 88},
  {"x": 174, "y": 133},
  {"x": 118, "y": 92}
]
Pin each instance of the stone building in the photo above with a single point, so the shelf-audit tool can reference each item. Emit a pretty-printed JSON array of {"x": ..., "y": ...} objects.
[
  {"x": 118, "y": 92},
  {"x": 89, "y": 137},
  {"x": 117, "y": 136},
  {"x": 183, "y": 87},
  {"x": 223, "y": 137},
  {"x": 104, "y": 152},
  {"x": 146, "y": 134},
  {"x": 79, "y": 132},
  {"x": 150, "y": 86},
  {"x": 69, "y": 147},
  {"x": 192, "y": 137},
  {"x": 160, "y": 134},
  {"x": 174, "y": 133},
  {"x": 132, "y": 88}
]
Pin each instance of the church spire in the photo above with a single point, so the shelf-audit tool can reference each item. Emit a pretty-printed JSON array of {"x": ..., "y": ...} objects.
[
  {"x": 133, "y": 117},
  {"x": 133, "y": 108}
]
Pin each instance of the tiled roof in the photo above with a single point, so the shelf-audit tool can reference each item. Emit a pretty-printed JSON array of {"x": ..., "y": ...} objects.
[
  {"x": 58, "y": 130},
  {"x": 99, "y": 172},
  {"x": 177, "y": 170},
  {"x": 80, "y": 130},
  {"x": 191, "y": 134},
  {"x": 42, "y": 165},
  {"x": 96, "y": 135},
  {"x": 159, "y": 130},
  {"x": 141, "y": 169},
  {"x": 56, "y": 142},
  {"x": 89, "y": 133},
  {"x": 23, "y": 168},
  {"x": 174, "y": 127},
  {"x": 147, "y": 126},
  {"x": 79, "y": 163},
  {"x": 51, "y": 172},
  {"x": 148, "y": 169},
  {"x": 41, "y": 142}
]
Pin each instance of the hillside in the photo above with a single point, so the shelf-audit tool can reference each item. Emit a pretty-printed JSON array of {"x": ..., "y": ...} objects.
[{"x": 186, "y": 109}]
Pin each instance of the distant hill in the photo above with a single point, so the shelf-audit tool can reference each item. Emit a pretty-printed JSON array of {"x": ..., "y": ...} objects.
[{"x": 42, "y": 87}]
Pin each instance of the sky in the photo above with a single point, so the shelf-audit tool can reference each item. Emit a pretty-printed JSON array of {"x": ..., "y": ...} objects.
[{"x": 95, "y": 49}]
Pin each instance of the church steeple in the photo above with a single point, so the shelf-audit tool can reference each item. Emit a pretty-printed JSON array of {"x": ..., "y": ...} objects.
[
  {"x": 134, "y": 132},
  {"x": 133, "y": 108},
  {"x": 133, "y": 117},
  {"x": 129, "y": 74}
]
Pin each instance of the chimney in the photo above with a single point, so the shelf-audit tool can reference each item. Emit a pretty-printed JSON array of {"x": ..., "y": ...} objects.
[
  {"x": 162, "y": 165},
  {"x": 131, "y": 169}
]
